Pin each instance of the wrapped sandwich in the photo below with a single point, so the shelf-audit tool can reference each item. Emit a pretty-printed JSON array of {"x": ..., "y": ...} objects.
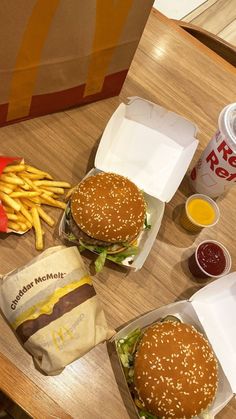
[{"x": 53, "y": 308}]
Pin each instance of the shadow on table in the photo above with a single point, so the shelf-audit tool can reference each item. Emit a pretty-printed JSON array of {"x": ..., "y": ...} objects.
[
  {"x": 185, "y": 188},
  {"x": 3, "y": 236},
  {"x": 91, "y": 160},
  {"x": 195, "y": 283},
  {"x": 172, "y": 232},
  {"x": 10, "y": 243}
]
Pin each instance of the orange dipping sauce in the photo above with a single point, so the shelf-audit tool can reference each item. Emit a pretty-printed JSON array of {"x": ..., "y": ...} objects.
[{"x": 201, "y": 212}]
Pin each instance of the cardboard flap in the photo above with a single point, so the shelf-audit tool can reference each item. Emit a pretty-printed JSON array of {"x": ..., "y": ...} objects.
[
  {"x": 150, "y": 145},
  {"x": 159, "y": 118},
  {"x": 215, "y": 305}
]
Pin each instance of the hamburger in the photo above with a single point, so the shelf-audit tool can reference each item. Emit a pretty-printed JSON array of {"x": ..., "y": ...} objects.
[
  {"x": 171, "y": 370},
  {"x": 106, "y": 215}
]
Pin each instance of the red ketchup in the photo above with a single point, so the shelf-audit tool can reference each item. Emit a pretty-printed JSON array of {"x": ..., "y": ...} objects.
[{"x": 211, "y": 259}]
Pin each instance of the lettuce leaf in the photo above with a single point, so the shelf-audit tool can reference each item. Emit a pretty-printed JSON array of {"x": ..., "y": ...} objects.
[
  {"x": 147, "y": 415},
  {"x": 206, "y": 415},
  {"x": 71, "y": 237},
  {"x": 100, "y": 261},
  {"x": 146, "y": 225},
  {"x": 91, "y": 247},
  {"x": 126, "y": 347},
  {"x": 117, "y": 257}
]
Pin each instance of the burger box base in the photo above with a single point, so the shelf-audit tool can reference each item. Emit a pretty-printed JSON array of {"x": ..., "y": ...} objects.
[
  {"x": 212, "y": 310},
  {"x": 153, "y": 147}
]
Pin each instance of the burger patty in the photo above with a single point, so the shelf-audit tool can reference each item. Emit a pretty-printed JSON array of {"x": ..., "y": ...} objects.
[{"x": 81, "y": 235}]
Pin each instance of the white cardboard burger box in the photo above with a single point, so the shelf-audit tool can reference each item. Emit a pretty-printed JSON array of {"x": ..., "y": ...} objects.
[
  {"x": 153, "y": 147},
  {"x": 212, "y": 310}
]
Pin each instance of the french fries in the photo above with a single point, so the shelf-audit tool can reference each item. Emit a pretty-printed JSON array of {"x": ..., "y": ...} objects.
[
  {"x": 23, "y": 191},
  {"x": 37, "y": 228},
  {"x": 15, "y": 180},
  {"x": 13, "y": 225},
  {"x": 52, "y": 183},
  {"x": 49, "y": 220},
  {"x": 5, "y": 189},
  {"x": 11, "y": 216},
  {"x": 69, "y": 193},
  {"x": 12, "y": 168},
  {"x": 10, "y": 201},
  {"x": 8, "y": 209},
  {"x": 58, "y": 191},
  {"x": 25, "y": 212},
  {"x": 53, "y": 202},
  {"x": 32, "y": 169}
]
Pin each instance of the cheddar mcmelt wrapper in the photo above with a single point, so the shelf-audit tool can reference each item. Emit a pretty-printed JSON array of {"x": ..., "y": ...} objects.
[{"x": 53, "y": 308}]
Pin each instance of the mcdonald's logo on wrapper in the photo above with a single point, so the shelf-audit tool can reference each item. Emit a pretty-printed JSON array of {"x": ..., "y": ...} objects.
[
  {"x": 64, "y": 54},
  {"x": 60, "y": 336}
]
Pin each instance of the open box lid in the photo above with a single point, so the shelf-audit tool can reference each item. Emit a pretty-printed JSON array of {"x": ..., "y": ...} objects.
[
  {"x": 215, "y": 306},
  {"x": 150, "y": 145}
]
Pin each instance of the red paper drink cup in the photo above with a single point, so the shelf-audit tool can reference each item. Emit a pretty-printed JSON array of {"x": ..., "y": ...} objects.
[
  {"x": 215, "y": 171},
  {"x": 210, "y": 259}
]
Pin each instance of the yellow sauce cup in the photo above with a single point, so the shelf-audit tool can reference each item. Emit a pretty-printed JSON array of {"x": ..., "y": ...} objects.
[{"x": 200, "y": 211}]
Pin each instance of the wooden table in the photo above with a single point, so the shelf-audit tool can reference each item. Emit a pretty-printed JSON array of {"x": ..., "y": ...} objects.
[{"x": 176, "y": 71}]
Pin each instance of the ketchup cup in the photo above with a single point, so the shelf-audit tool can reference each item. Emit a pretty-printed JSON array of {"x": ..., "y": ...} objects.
[{"x": 210, "y": 259}]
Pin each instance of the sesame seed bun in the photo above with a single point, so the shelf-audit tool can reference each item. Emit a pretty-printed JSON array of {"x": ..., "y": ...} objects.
[
  {"x": 175, "y": 371},
  {"x": 108, "y": 207}
]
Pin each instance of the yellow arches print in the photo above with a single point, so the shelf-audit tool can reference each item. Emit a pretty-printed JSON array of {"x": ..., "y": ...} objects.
[
  {"x": 28, "y": 58},
  {"x": 109, "y": 23},
  {"x": 110, "y": 18}
]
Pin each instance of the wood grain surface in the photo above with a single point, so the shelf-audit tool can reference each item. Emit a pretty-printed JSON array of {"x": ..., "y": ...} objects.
[
  {"x": 177, "y": 72},
  {"x": 217, "y": 16},
  {"x": 214, "y": 42}
]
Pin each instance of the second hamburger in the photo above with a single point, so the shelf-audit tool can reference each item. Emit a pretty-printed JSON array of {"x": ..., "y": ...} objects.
[{"x": 171, "y": 370}]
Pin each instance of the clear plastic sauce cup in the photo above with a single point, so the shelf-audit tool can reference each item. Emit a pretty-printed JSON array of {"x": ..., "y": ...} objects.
[
  {"x": 210, "y": 259},
  {"x": 200, "y": 211}
]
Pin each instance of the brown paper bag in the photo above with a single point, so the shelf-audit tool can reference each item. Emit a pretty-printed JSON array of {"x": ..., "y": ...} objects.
[
  {"x": 53, "y": 308},
  {"x": 57, "y": 54}
]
